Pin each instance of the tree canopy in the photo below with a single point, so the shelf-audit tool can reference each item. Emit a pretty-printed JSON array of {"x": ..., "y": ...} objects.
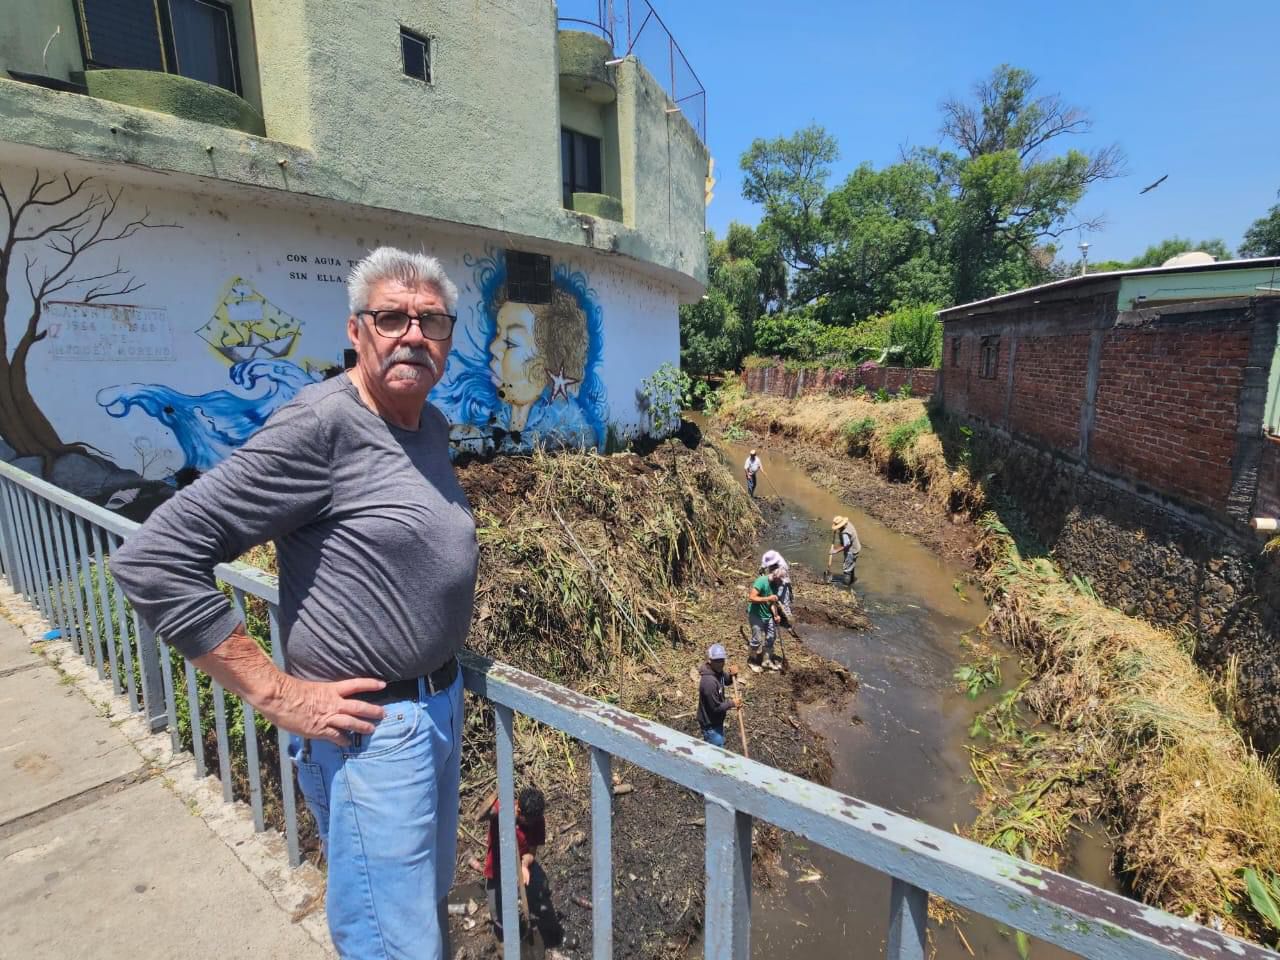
[
  {"x": 978, "y": 213},
  {"x": 1262, "y": 239}
]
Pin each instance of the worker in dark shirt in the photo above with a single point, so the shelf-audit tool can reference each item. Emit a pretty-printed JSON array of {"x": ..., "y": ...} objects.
[
  {"x": 531, "y": 833},
  {"x": 713, "y": 705}
]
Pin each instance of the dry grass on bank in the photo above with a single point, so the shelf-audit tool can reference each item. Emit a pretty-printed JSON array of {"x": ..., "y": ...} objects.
[
  {"x": 1139, "y": 738},
  {"x": 898, "y": 436}
]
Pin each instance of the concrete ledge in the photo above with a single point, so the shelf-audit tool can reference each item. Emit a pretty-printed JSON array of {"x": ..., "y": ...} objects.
[
  {"x": 176, "y": 95},
  {"x": 582, "y": 65},
  {"x": 598, "y": 205}
]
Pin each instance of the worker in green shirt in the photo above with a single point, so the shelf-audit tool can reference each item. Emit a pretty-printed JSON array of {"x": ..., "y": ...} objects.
[{"x": 762, "y": 603}]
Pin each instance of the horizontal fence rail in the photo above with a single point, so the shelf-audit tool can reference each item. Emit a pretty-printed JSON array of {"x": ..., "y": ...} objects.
[{"x": 55, "y": 547}]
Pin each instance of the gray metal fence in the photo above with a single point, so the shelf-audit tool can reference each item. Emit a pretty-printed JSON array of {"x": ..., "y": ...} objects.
[{"x": 54, "y": 548}]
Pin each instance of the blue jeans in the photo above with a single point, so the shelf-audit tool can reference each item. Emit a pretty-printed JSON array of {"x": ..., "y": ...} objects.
[
  {"x": 713, "y": 736},
  {"x": 387, "y": 811}
]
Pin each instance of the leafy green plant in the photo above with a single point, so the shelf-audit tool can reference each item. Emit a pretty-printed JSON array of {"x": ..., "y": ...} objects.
[
  {"x": 735, "y": 433},
  {"x": 882, "y": 396},
  {"x": 904, "y": 392},
  {"x": 661, "y": 398},
  {"x": 979, "y": 676},
  {"x": 1264, "y": 894},
  {"x": 858, "y": 434},
  {"x": 902, "y": 437}
]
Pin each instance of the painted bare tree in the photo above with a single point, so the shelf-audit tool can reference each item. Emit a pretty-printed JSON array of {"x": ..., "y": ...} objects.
[{"x": 58, "y": 220}]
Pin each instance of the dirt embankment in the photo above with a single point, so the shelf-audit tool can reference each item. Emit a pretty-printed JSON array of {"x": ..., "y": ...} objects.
[
  {"x": 1141, "y": 739},
  {"x": 612, "y": 575}
]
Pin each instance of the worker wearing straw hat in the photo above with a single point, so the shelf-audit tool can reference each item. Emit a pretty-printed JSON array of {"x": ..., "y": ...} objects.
[
  {"x": 844, "y": 539},
  {"x": 751, "y": 468}
]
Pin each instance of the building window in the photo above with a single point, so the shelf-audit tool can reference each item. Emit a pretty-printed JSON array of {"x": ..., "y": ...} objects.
[
  {"x": 990, "y": 358},
  {"x": 579, "y": 164},
  {"x": 528, "y": 277},
  {"x": 192, "y": 38},
  {"x": 955, "y": 351},
  {"x": 415, "y": 52}
]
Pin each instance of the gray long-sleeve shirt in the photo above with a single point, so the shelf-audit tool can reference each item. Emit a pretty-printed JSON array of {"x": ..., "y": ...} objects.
[{"x": 374, "y": 535}]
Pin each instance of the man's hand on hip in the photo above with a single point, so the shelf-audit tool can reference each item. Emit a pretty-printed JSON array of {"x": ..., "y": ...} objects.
[
  {"x": 323, "y": 711},
  {"x": 309, "y": 708}
]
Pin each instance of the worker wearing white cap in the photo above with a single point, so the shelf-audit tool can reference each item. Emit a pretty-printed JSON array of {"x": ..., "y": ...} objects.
[
  {"x": 713, "y": 705},
  {"x": 768, "y": 563},
  {"x": 751, "y": 468}
]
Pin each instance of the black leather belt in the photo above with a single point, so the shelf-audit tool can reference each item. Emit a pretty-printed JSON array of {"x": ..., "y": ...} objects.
[{"x": 437, "y": 681}]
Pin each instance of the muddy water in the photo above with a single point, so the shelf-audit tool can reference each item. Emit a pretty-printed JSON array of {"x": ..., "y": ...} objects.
[{"x": 901, "y": 744}]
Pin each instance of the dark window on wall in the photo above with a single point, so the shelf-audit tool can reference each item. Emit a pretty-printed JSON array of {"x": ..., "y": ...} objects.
[
  {"x": 193, "y": 38},
  {"x": 955, "y": 351},
  {"x": 528, "y": 277},
  {"x": 204, "y": 42},
  {"x": 579, "y": 164},
  {"x": 415, "y": 53},
  {"x": 990, "y": 358}
]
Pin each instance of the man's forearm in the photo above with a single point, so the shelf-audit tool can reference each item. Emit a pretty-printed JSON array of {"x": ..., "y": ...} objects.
[{"x": 241, "y": 666}]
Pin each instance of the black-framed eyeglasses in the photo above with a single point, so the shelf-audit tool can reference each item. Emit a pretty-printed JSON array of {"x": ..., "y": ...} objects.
[{"x": 395, "y": 323}]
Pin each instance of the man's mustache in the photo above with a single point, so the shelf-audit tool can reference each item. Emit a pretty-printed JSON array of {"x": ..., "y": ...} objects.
[{"x": 416, "y": 355}]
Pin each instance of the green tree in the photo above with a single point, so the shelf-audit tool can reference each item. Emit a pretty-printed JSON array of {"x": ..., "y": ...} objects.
[
  {"x": 882, "y": 247},
  {"x": 788, "y": 177},
  {"x": 1011, "y": 196},
  {"x": 1262, "y": 239},
  {"x": 1156, "y": 254},
  {"x": 717, "y": 331}
]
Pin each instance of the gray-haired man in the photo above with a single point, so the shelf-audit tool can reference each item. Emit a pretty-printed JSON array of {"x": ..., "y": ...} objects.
[{"x": 352, "y": 481}]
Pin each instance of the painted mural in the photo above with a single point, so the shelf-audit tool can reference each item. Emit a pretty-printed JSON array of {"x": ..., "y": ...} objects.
[
  {"x": 523, "y": 375},
  {"x": 253, "y": 336},
  {"x": 139, "y": 349}
]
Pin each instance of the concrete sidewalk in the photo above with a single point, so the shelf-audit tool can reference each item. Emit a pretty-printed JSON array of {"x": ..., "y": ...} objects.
[{"x": 109, "y": 846}]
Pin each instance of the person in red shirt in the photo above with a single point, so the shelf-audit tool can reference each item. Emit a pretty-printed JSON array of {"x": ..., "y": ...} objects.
[{"x": 531, "y": 833}]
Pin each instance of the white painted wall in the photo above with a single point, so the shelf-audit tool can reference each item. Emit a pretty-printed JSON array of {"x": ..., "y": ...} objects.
[{"x": 149, "y": 348}]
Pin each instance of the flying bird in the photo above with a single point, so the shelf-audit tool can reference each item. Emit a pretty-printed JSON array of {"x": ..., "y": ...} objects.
[{"x": 1152, "y": 186}]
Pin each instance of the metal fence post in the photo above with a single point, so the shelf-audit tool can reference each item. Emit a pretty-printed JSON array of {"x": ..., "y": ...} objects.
[
  {"x": 509, "y": 856},
  {"x": 287, "y": 796},
  {"x": 728, "y": 891},
  {"x": 908, "y": 915},
  {"x": 601, "y": 855},
  {"x": 92, "y": 635},
  {"x": 154, "y": 704}
]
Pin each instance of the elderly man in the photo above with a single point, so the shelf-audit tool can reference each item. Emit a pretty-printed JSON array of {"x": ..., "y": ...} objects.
[{"x": 352, "y": 481}]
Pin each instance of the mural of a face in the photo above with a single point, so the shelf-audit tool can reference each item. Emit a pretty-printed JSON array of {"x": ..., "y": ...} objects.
[
  {"x": 518, "y": 370},
  {"x": 527, "y": 375}
]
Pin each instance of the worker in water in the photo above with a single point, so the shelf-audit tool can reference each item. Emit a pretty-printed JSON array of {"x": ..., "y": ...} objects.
[
  {"x": 762, "y": 615},
  {"x": 844, "y": 540},
  {"x": 751, "y": 468},
  {"x": 771, "y": 561},
  {"x": 713, "y": 704}
]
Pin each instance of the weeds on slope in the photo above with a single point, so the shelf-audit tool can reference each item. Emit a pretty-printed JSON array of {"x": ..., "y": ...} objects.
[{"x": 1138, "y": 737}]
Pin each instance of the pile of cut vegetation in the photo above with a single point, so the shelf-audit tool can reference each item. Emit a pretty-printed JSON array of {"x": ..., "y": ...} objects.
[
  {"x": 1142, "y": 737},
  {"x": 585, "y": 559}
]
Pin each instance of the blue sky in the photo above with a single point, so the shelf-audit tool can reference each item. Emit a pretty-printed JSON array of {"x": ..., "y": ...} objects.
[{"x": 1191, "y": 89}]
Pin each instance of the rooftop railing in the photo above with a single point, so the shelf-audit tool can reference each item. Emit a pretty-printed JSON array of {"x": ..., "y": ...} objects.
[
  {"x": 54, "y": 549},
  {"x": 634, "y": 28}
]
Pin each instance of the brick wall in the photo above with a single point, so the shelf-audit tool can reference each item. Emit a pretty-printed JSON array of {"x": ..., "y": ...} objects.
[
  {"x": 777, "y": 381},
  {"x": 1168, "y": 406},
  {"x": 1049, "y": 389}
]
